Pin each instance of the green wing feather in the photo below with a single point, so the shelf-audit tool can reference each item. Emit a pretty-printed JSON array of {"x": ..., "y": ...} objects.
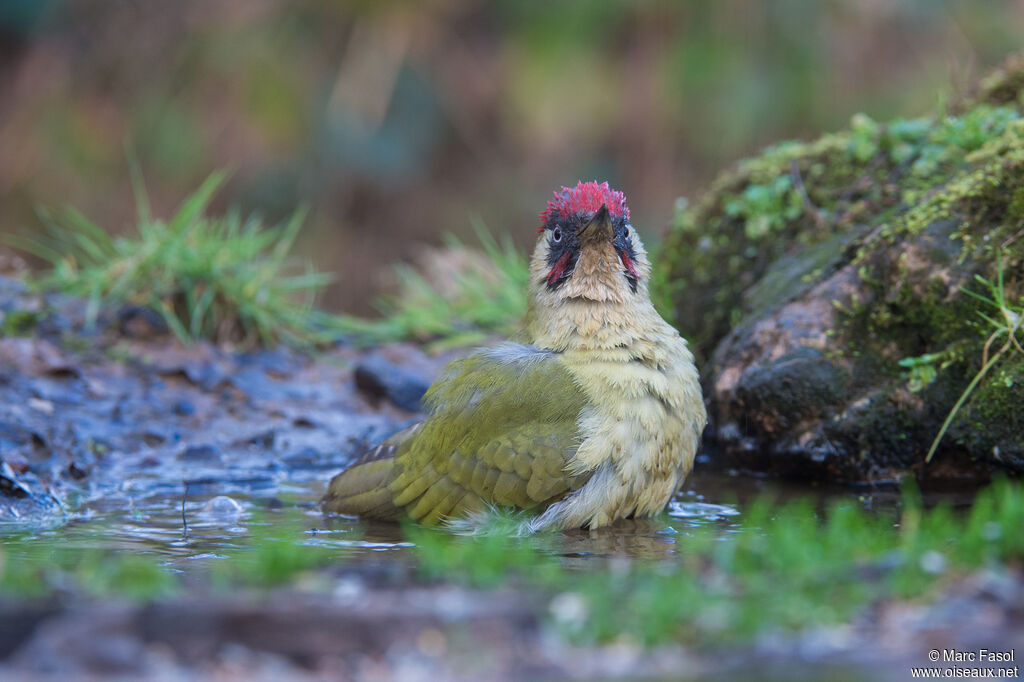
[{"x": 502, "y": 425}]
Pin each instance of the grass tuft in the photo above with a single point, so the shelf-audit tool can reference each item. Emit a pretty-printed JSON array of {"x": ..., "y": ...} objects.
[
  {"x": 487, "y": 295},
  {"x": 489, "y": 558},
  {"x": 37, "y": 568},
  {"x": 227, "y": 278},
  {"x": 231, "y": 279},
  {"x": 274, "y": 555},
  {"x": 787, "y": 569}
]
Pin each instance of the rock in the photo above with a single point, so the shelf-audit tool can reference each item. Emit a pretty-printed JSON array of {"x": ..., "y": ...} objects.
[
  {"x": 306, "y": 457},
  {"x": 825, "y": 284},
  {"x": 18, "y": 466},
  {"x": 140, "y": 322},
  {"x": 9, "y": 487},
  {"x": 200, "y": 453},
  {"x": 14, "y": 436},
  {"x": 381, "y": 378},
  {"x": 76, "y": 472},
  {"x": 263, "y": 439}
]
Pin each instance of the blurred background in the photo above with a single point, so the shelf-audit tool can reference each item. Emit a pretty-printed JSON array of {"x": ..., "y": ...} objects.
[{"x": 396, "y": 122}]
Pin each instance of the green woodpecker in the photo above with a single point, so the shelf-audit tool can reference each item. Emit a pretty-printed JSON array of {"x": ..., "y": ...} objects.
[{"x": 596, "y": 417}]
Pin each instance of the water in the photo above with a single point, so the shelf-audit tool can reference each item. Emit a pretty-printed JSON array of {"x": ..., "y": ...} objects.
[
  {"x": 216, "y": 522},
  {"x": 149, "y": 515}
]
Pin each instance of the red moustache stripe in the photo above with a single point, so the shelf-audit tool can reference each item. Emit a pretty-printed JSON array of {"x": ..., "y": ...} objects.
[
  {"x": 627, "y": 262},
  {"x": 556, "y": 272}
]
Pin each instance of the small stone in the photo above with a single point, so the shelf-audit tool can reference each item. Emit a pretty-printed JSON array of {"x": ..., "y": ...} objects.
[
  {"x": 933, "y": 562},
  {"x": 44, "y": 406},
  {"x": 138, "y": 322},
  {"x": 305, "y": 457},
  {"x": 152, "y": 439},
  {"x": 263, "y": 439},
  {"x": 19, "y": 466},
  {"x": 380, "y": 378},
  {"x": 569, "y": 608},
  {"x": 76, "y": 472},
  {"x": 200, "y": 453}
]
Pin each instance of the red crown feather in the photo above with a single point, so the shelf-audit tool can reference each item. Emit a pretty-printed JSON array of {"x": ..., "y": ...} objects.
[{"x": 586, "y": 197}]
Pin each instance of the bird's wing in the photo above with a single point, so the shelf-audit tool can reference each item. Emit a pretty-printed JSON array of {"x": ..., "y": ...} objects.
[
  {"x": 501, "y": 429},
  {"x": 362, "y": 489}
]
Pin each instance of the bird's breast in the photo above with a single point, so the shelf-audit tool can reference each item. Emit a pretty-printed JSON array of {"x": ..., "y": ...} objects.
[{"x": 642, "y": 423}]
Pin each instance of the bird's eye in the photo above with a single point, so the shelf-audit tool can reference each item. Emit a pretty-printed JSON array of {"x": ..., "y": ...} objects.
[
  {"x": 625, "y": 232},
  {"x": 556, "y": 235}
]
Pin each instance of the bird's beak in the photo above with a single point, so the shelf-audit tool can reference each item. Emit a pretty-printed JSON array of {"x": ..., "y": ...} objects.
[{"x": 599, "y": 229}]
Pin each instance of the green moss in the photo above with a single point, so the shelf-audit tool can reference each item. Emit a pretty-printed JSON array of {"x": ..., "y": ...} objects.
[
  {"x": 901, "y": 176},
  {"x": 982, "y": 197},
  {"x": 275, "y": 556},
  {"x": 992, "y": 420},
  {"x": 18, "y": 322},
  {"x": 489, "y": 559},
  {"x": 765, "y": 208},
  {"x": 793, "y": 274},
  {"x": 909, "y": 313},
  {"x": 915, "y": 209},
  {"x": 769, "y": 206},
  {"x": 1005, "y": 85},
  {"x": 277, "y": 551}
]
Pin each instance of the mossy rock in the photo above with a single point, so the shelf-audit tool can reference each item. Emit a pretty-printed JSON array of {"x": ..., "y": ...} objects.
[
  {"x": 828, "y": 287},
  {"x": 993, "y": 421}
]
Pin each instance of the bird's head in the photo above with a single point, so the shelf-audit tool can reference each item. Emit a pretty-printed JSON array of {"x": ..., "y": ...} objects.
[{"x": 588, "y": 249}]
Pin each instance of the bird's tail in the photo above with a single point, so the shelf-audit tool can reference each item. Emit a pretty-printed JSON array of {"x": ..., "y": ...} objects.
[{"x": 362, "y": 489}]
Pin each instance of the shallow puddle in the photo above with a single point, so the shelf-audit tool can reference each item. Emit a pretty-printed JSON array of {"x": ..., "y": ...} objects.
[{"x": 153, "y": 516}]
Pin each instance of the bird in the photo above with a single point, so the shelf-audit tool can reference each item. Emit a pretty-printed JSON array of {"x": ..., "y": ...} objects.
[{"x": 592, "y": 414}]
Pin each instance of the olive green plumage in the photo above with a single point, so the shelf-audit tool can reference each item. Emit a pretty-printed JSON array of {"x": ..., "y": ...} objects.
[
  {"x": 597, "y": 420},
  {"x": 502, "y": 426}
]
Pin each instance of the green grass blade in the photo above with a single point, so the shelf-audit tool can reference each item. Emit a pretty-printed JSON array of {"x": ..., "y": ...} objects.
[
  {"x": 199, "y": 310},
  {"x": 195, "y": 205},
  {"x": 980, "y": 297},
  {"x": 288, "y": 234},
  {"x": 96, "y": 234},
  {"x": 142, "y": 209},
  {"x": 173, "y": 323},
  {"x": 307, "y": 281},
  {"x": 34, "y": 247},
  {"x": 960, "y": 402}
]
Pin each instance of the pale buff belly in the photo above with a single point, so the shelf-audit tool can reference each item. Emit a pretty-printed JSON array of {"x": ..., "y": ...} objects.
[{"x": 638, "y": 450}]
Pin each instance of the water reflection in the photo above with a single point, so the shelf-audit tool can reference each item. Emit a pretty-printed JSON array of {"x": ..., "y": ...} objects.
[
  {"x": 702, "y": 511},
  {"x": 152, "y": 516}
]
